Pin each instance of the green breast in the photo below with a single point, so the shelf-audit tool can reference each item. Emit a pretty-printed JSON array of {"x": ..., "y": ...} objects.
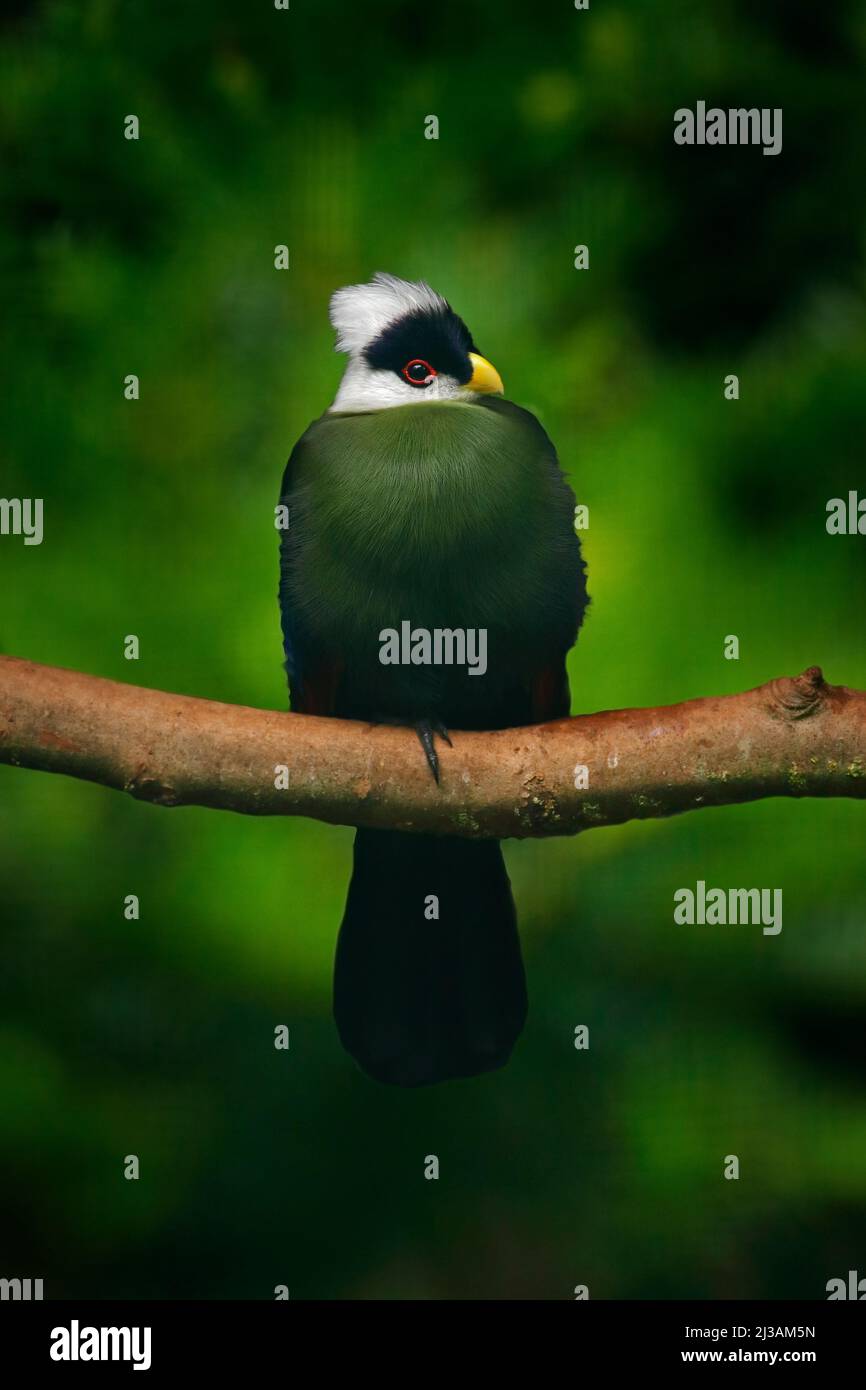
[{"x": 441, "y": 513}]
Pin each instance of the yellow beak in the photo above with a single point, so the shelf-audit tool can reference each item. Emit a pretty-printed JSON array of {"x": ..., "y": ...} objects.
[{"x": 484, "y": 376}]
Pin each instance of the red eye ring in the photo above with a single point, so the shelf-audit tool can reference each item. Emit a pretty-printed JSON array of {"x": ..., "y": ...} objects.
[{"x": 419, "y": 380}]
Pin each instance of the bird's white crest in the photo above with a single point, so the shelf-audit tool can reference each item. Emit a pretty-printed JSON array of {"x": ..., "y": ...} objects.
[{"x": 359, "y": 313}]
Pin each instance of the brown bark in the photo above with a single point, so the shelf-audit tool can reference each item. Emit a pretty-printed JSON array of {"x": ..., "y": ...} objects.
[{"x": 791, "y": 737}]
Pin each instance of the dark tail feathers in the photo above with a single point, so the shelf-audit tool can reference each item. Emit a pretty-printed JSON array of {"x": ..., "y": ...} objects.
[{"x": 420, "y": 998}]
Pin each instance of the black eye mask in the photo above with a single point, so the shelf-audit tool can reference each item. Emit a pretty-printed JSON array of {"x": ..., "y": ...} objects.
[{"x": 437, "y": 336}]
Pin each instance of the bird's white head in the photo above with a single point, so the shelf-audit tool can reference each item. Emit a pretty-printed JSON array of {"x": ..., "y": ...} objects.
[{"x": 405, "y": 344}]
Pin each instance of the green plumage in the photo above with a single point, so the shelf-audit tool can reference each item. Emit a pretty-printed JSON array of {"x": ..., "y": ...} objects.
[{"x": 444, "y": 514}]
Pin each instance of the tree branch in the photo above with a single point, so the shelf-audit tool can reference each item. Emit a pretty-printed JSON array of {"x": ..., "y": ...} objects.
[{"x": 791, "y": 737}]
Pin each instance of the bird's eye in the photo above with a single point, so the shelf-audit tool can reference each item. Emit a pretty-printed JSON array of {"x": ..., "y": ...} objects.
[{"x": 418, "y": 372}]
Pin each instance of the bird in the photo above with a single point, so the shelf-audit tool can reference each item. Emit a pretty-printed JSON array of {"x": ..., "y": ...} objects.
[{"x": 423, "y": 496}]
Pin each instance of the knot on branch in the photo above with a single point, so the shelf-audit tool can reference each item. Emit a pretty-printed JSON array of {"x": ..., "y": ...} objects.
[
  {"x": 798, "y": 697},
  {"x": 143, "y": 787}
]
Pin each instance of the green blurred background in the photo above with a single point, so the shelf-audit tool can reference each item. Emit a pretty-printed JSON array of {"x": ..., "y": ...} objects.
[{"x": 707, "y": 517}]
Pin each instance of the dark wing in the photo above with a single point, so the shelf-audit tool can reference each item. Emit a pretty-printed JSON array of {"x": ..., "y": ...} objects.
[
  {"x": 549, "y": 692},
  {"x": 545, "y": 684},
  {"x": 313, "y": 676}
]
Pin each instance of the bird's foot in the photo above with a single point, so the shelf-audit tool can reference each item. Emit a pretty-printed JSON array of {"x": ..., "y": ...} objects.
[{"x": 426, "y": 729}]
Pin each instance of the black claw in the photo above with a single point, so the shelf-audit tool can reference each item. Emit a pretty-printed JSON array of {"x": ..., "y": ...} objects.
[
  {"x": 425, "y": 730},
  {"x": 439, "y": 728}
]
